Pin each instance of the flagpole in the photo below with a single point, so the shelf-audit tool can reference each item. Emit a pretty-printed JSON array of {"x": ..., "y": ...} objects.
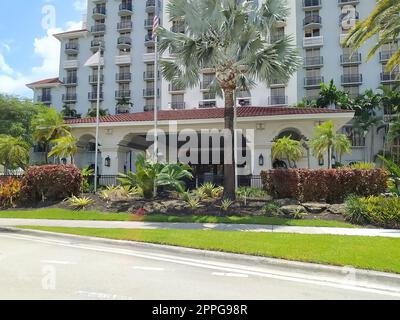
[
  {"x": 235, "y": 139},
  {"x": 156, "y": 86},
  {"x": 96, "y": 157}
]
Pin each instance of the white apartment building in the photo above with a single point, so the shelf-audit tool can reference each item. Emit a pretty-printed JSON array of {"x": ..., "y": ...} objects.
[{"x": 124, "y": 28}]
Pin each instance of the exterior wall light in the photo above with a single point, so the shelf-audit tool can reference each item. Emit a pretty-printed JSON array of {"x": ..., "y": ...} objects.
[
  {"x": 261, "y": 160},
  {"x": 107, "y": 161},
  {"x": 64, "y": 161}
]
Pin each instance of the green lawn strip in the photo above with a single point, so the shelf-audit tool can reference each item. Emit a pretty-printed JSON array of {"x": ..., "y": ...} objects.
[
  {"x": 62, "y": 214},
  {"x": 374, "y": 253}
]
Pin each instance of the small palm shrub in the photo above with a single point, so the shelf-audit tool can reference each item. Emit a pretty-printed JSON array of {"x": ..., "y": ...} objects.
[
  {"x": 10, "y": 191},
  {"x": 363, "y": 166},
  {"x": 117, "y": 193},
  {"x": 376, "y": 210},
  {"x": 79, "y": 203},
  {"x": 194, "y": 203},
  {"x": 226, "y": 204},
  {"x": 217, "y": 192},
  {"x": 207, "y": 189},
  {"x": 272, "y": 209},
  {"x": 394, "y": 179},
  {"x": 86, "y": 174}
]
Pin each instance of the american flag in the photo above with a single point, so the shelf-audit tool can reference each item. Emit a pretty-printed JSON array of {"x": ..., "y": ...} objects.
[{"x": 156, "y": 24}]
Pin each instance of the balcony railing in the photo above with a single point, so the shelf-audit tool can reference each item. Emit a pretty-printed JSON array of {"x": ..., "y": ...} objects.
[
  {"x": 93, "y": 79},
  {"x": 99, "y": 11},
  {"x": 97, "y": 43},
  {"x": 124, "y": 42},
  {"x": 124, "y": 25},
  {"x": 386, "y": 55},
  {"x": 125, "y": 8},
  {"x": 92, "y": 96},
  {"x": 317, "y": 41},
  {"x": 175, "y": 88},
  {"x": 122, "y": 94},
  {"x": 148, "y": 93},
  {"x": 72, "y": 47},
  {"x": 351, "y": 79},
  {"x": 44, "y": 98},
  {"x": 69, "y": 97},
  {"x": 205, "y": 85},
  {"x": 313, "y": 81},
  {"x": 311, "y": 3},
  {"x": 277, "y": 100},
  {"x": 70, "y": 80},
  {"x": 177, "y": 105},
  {"x": 350, "y": 58},
  {"x": 312, "y": 19},
  {"x": 390, "y": 76},
  {"x": 313, "y": 61},
  {"x": 208, "y": 104},
  {"x": 99, "y": 28},
  {"x": 178, "y": 28},
  {"x": 126, "y": 76},
  {"x": 149, "y": 75}
]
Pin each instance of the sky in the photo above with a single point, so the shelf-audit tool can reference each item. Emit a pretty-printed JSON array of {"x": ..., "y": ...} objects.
[{"x": 28, "y": 51}]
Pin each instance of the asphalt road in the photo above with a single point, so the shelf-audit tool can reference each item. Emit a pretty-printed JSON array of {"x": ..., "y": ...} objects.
[{"x": 33, "y": 267}]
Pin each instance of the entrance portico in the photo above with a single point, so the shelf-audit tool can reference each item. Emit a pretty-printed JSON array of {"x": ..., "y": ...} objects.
[{"x": 122, "y": 137}]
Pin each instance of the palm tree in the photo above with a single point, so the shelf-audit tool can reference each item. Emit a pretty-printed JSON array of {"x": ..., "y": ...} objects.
[
  {"x": 289, "y": 149},
  {"x": 229, "y": 37},
  {"x": 383, "y": 22},
  {"x": 48, "y": 126},
  {"x": 14, "y": 152},
  {"x": 66, "y": 146},
  {"x": 394, "y": 130},
  {"x": 330, "y": 96},
  {"x": 326, "y": 140},
  {"x": 92, "y": 113}
]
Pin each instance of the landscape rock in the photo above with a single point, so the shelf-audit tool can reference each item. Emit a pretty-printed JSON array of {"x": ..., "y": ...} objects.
[
  {"x": 315, "y": 207},
  {"x": 291, "y": 210},
  {"x": 286, "y": 202},
  {"x": 336, "y": 209}
]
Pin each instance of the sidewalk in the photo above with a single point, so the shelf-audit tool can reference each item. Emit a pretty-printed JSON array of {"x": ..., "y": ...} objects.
[{"x": 199, "y": 226}]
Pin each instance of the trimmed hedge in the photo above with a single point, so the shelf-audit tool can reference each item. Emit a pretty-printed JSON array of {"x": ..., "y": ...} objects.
[
  {"x": 51, "y": 182},
  {"x": 378, "y": 211},
  {"x": 332, "y": 186}
]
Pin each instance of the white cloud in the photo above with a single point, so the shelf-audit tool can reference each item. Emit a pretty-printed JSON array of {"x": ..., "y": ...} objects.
[
  {"x": 48, "y": 49},
  {"x": 80, "y": 5}
]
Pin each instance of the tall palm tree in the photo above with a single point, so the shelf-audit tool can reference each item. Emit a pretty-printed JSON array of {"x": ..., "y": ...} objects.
[
  {"x": 66, "y": 146},
  {"x": 326, "y": 140},
  {"x": 384, "y": 22},
  {"x": 330, "y": 96},
  {"x": 48, "y": 126},
  {"x": 289, "y": 149},
  {"x": 231, "y": 38},
  {"x": 14, "y": 152}
]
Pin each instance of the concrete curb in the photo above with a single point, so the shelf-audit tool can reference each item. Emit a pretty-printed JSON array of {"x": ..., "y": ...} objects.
[{"x": 366, "y": 278}]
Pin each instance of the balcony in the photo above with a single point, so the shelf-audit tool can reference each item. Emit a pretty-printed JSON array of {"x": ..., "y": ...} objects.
[
  {"x": 177, "y": 105},
  {"x": 148, "y": 108},
  {"x": 311, "y": 62},
  {"x": 71, "y": 64},
  {"x": 205, "y": 85},
  {"x": 313, "y": 21},
  {"x": 148, "y": 23},
  {"x": 311, "y": 4},
  {"x": 98, "y": 29},
  {"x": 70, "y": 81},
  {"x": 310, "y": 82},
  {"x": 387, "y": 77},
  {"x": 124, "y": 43},
  {"x": 92, "y": 96},
  {"x": 149, "y": 40},
  {"x": 348, "y": 2},
  {"x": 277, "y": 83},
  {"x": 151, "y": 6},
  {"x": 99, "y": 13},
  {"x": 348, "y": 59},
  {"x": 123, "y": 59},
  {"x": 174, "y": 88},
  {"x": 385, "y": 56},
  {"x": 123, "y": 77},
  {"x": 122, "y": 109},
  {"x": 351, "y": 79},
  {"x": 93, "y": 79},
  {"x": 69, "y": 98},
  {"x": 207, "y": 104},
  {"x": 122, "y": 94},
  {"x": 178, "y": 28},
  {"x": 71, "y": 48},
  {"x": 44, "y": 98},
  {"x": 309, "y": 42},
  {"x": 125, "y": 9},
  {"x": 96, "y": 45},
  {"x": 124, "y": 26},
  {"x": 150, "y": 75},
  {"x": 277, "y": 100},
  {"x": 149, "y": 93}
]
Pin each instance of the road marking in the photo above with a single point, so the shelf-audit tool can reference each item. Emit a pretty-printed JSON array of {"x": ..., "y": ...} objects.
[
  {"x": 102, "y": 296},
  {"x": 148, "y": 269},
  {"x": 225, "y": 267},
  {"x": 58, "y": 262},
  {"x": 233, "y": 275}
]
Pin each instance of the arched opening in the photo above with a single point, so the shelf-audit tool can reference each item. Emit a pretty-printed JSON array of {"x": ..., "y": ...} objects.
[
  {"x": 87, "y": 152},
  {"x": 128, "y": 149}
]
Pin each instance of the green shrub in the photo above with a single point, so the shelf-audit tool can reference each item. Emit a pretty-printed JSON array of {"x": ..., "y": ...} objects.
[
  {"x": 10, "y": 191},
  {"x": 250, "y": 192},
  {"x": 363, "y": 166},
  {"x": 272, "y": 209},
  {"x": 79, "y": 203},
  {"x": 378, "y": 211},
  {"x": 226, "y": 204}
]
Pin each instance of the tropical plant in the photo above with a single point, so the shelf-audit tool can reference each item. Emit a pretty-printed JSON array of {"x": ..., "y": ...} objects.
[
  {"x": 48, "y": 126},
  {"x": 326, "y": 140},
  {"x": 390, "y": 99},
  {"x": 217, "y": 192},
  {"x": 10, "y": 191},
  {"x": 382, "y": 22},
  {"x": 194, "y": 203},
  {"x": 69, "y": 112},
  {"x": 226, "y": 204},
  {"x": 79, "y": 203},
  {"x": 394, "y": 169},
  {"x": 206, "y": 189},
  {"x": 231, "y": 38},
  {"x": 64, "y": 147},
  {"x": 117, "y": 193},
  {"x": 394, "y": 130},
  {"x": 87, "y": 173},
  {"x": 330, "y": 96},
  {"x": 362, "y": 166},
  {"x": 14, "y": 152},
  {"x": 92, "y": 113},
  {"x": 149, "y": 175},
  {"x": 307, "y": 103},
  {"x": 289, "y": 149},
  {"x": 272, "y": 209}
]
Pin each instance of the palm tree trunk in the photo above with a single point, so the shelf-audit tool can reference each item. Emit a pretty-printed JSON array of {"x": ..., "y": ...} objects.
[
  {"x": 229, "y": 168},
  {"x": 330, "y": 157},
  {"x": 46, "y": 158}
]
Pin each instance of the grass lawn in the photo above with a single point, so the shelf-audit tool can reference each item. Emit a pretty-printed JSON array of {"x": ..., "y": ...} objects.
[
  {"x": 62, "y": 214},
  {"x": 375, "y": 253}
]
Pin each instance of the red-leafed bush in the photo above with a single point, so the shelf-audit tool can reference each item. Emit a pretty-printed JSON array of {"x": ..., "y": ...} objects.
[
  {"x": 51, "y": 182},
  {"x": 332, "y": 186}
]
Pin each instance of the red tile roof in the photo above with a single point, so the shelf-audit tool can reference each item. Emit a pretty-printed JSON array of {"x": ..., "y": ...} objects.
[
  {"x": 45, "y": 81},
  {"x": 208, "y": 113}
]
